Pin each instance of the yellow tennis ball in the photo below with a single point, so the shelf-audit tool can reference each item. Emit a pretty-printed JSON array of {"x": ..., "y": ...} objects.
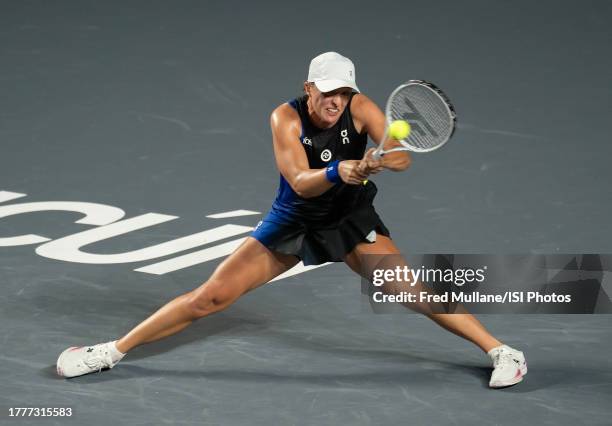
[{"x": 399, "y": 129}]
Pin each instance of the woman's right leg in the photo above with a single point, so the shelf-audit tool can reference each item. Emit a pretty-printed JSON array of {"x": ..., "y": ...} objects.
[{"x": 250, "y": 266}]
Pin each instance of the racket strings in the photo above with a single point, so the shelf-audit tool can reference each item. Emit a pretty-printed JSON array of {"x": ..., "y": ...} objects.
[
  {"x": 428, "y": 113},
  {"x": 423, "y": 109}
]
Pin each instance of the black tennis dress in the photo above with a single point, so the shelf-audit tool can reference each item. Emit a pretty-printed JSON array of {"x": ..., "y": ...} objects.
[{"x": 327, "y": 227}]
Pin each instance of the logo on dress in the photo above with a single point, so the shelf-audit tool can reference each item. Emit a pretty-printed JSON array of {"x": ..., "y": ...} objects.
[
  {"x": 307, "y": 141},
  {"x": 326, "y": 155},
  {"x": 345, "y": 139}
]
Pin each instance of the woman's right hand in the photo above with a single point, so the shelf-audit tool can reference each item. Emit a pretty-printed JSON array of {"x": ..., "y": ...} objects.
[{"x": 351, "y": 173}]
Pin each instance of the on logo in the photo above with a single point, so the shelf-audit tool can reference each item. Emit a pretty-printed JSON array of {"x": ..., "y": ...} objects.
[
  {"x": 345, "y": 139},
  {"x": 307, "y": 141},
  {"x": 326, "y": 155}
]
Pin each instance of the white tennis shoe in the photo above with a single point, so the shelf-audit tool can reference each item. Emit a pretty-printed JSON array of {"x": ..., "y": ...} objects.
[
  {"x": 77, "y": 361},
  {"x": 509, "y": 366}
]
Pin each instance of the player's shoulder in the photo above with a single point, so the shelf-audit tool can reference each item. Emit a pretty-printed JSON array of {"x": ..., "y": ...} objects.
[
  {"x": 361, "y": 104},
  {"x": 284, "y": 115},
  {"x": 363, "y": 111}
]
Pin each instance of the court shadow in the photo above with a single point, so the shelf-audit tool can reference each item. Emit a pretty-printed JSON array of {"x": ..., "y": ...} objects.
[
  {"x": 548, "y": 378},
  {"x": 412, "y": 374}
]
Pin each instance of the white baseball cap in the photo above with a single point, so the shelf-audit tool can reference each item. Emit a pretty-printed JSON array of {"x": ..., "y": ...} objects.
[{"x": 330, "y": 71}]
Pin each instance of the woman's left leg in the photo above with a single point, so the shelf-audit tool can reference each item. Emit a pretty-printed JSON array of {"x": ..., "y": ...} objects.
[{"x": 464, "y": 325}]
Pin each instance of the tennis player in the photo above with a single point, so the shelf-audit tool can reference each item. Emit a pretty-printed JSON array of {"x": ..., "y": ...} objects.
[{"x": 323, "y": 212}]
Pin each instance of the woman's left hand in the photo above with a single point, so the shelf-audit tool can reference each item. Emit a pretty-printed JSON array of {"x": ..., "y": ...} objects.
[{"x": 369, "y": 165}]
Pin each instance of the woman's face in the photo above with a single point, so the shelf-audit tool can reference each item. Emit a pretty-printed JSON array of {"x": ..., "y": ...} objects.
[{"x": 325, "y": 108}]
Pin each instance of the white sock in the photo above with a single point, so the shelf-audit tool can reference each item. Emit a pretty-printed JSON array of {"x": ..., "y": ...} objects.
[{"x": 116, "y": 356}]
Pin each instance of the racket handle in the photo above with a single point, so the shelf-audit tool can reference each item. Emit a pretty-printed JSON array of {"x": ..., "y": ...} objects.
[{"x": 377, "y": 154}]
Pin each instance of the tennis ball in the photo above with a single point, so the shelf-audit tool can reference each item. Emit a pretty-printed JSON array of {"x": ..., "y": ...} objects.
[{"x": 399, "y": 129}]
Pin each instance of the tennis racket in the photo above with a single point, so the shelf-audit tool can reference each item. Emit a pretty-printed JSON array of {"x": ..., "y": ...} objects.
[{"x": 429, "y": 112}]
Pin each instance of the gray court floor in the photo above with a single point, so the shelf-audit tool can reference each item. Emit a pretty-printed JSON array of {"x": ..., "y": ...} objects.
[{"x": 162, "y": 107}]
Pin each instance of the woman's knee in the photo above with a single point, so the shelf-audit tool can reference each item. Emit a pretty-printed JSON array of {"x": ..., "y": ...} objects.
[{"x": 210, "y": 297}]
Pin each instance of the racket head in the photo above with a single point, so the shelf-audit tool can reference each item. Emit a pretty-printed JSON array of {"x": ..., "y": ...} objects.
[{"x": 430, "y": 113}]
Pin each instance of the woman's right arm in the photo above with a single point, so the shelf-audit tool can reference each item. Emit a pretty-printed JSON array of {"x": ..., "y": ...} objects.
[{"x": 292, "y": 162}]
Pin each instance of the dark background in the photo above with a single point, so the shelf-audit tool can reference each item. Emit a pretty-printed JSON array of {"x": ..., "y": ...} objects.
[{"x": 163, "y": 106}]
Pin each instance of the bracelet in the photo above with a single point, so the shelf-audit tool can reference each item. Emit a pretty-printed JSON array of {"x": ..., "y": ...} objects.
[{"x": 331, "y": 172}]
